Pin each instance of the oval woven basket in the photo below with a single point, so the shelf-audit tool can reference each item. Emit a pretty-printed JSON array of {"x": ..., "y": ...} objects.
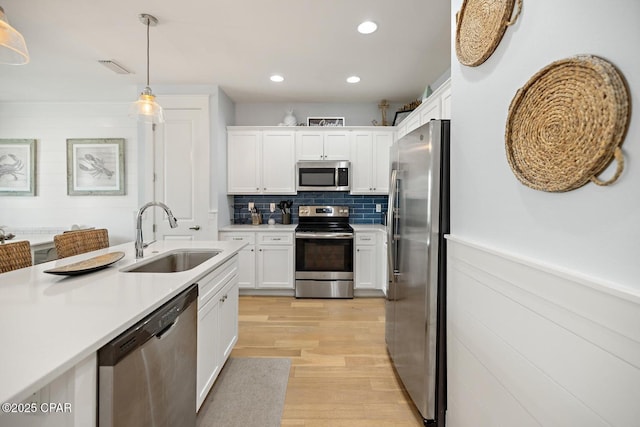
[
  {"x": 480, "y": 27},
  {"x": 566, "y": 124}
]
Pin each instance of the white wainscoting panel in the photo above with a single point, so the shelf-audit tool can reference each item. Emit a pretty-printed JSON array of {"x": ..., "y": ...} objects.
[{"x": 529, "y": 345}]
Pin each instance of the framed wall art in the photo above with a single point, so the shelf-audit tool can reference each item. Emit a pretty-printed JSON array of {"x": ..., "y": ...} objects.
[
  {"x": 95, "y": 167},
  {"x": 325, "y": 121},
  {"x": 17, "y": 167},
  {"x": 400, "y": 116}
]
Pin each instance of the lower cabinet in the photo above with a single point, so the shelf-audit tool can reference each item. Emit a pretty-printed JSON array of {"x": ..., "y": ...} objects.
[
  {"x": 370, "y": 260},
  {"x": 217, "y": 324},
  {"x": 267, "y": 261}
]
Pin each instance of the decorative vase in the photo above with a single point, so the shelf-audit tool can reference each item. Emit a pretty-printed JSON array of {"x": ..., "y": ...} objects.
[{"x": 290, "y": 119}]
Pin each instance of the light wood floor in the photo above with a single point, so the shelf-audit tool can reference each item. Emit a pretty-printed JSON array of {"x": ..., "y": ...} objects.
[{"x": 341, "y": 374}]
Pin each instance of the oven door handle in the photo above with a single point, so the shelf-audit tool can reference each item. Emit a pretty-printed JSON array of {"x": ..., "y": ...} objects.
[{"x": 324, "y": 235}]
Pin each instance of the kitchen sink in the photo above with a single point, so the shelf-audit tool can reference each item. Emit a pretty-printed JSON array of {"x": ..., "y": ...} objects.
[{"x": 173, "y": 262}]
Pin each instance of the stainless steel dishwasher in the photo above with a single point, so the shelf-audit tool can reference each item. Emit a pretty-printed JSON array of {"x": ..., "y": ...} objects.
[{"x": 147, "y": 375}]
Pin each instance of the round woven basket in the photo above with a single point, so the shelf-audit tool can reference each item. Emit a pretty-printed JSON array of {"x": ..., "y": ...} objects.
[
  {"x": 480, "y": 27},
  {"x": 567, "y": 123}
]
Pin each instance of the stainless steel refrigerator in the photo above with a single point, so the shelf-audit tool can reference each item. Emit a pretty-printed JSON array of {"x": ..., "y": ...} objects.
[{"x": 418, "y": 219}]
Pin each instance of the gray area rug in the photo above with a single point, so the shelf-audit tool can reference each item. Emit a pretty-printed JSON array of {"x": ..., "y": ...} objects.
[{"x": 248, "y": 392}]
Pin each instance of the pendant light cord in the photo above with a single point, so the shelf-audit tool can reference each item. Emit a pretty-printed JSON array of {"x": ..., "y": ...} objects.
[{"x": 148, "y": 22}]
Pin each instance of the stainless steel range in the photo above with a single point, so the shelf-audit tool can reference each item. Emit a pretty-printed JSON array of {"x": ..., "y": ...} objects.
[{"x": 324, "y": 252}]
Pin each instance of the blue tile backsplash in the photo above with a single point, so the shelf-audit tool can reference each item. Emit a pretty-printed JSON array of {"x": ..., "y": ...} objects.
[{"x": 362, "y": 209}]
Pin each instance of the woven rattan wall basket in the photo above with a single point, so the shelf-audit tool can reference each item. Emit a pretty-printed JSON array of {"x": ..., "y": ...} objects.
[
  {"x": 480, "y": 27},
  {"x": 566, "y": 125}
]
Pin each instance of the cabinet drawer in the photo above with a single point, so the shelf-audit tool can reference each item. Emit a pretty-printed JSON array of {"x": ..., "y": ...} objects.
[
  {"x": 214, "y": 281},
  {"x": 238, "y": 237},
  {"x": 366, "y": 239},
  {"x": 275, "y": 238}
]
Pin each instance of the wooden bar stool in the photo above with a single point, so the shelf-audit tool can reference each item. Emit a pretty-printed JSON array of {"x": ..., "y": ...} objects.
[
  {"x": 15, "y": 255},
  {"x": 81, "y": 241}
]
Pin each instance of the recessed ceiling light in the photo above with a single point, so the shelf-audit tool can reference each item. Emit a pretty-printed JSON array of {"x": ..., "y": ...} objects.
[
  {"x": 367, "y": 27},
  {"x": 277, "y": 78},
  {"x": 353, "y": 79}
]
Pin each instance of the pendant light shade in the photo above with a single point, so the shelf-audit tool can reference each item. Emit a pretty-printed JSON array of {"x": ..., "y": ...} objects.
[
  {"x": 13, "y": 49},
  {"x": 146, "y": 109}
]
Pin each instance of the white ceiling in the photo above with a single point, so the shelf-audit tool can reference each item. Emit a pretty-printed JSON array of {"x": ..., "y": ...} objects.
[{"x": 236, "y": 44}]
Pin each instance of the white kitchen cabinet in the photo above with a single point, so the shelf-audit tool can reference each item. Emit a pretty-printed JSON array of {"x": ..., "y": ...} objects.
[
  {"x": 367, "y": 267},
  {"x": 322, "y": 145},
  {"x": 370, "y": 261},
  {"x": 246, "y": 258},
  {"x": 431, "y": 110},
  {"x": 260, "y": 162},
  {"x": 278, "y": 162},
  {"x": 268, "y": 260},
  {"x": 370, "y": 161},
  {"x": 275, "y": 260},
  {"x": 436, "y": 106},
  {"x": 446, "y": 101},
  {"x": 217, "y": 324}
]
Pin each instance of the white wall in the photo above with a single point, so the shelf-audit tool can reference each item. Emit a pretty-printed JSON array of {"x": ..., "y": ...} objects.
[
  {"x": 225, "y": 117},
  {"x": 592, "y": 230},
  {"x": 544, "y": 296},
  {"x": 271, "y": 114},
  {"x": 51, "y": 124}
]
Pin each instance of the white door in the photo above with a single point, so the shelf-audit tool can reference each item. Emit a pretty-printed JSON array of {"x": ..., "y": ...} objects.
[{"x": 181, "y": 171}]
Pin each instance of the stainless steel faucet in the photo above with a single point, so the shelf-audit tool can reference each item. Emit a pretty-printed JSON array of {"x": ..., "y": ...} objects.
[{"x": 173, "y": 223}]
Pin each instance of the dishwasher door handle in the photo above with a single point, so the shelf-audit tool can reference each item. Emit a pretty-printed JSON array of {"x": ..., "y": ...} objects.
[{"x": 162, "y": 333}]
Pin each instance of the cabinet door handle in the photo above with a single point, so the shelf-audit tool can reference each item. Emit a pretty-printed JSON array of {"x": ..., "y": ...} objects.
[
  {"x": 276, "y": 238},
  {"x": 196, "y": 227}
]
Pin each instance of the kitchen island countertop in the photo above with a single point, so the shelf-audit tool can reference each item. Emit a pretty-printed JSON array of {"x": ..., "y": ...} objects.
[{"x": 50, "y": 323}]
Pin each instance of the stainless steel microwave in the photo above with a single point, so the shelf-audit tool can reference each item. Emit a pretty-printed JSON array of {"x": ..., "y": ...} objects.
[{"x": 322, "y": 175}]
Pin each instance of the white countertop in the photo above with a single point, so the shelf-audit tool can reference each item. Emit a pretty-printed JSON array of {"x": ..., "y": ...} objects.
[
  {"x": 292, "y": 227},
  {"x": 369, "y": 227},
  {"x": 49, "y": 323},
  {"x": 261, "y": 227}
]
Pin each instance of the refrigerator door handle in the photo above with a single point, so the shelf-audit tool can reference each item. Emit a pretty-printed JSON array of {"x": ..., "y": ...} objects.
[{"x": 391, "y": 226}]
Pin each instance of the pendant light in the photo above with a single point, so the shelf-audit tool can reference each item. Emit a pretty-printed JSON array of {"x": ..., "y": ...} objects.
[
  {"x": 13, "y": 49},
  {"x": 146, "y": 109}
]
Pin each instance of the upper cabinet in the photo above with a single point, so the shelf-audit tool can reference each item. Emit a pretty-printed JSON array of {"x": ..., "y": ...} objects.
[
  {"x": 370, "y": 161},
  {"x": 313, "y": 144},
  {"x": 261, "y": 162},
  {"x": 436, "y": 106}
]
